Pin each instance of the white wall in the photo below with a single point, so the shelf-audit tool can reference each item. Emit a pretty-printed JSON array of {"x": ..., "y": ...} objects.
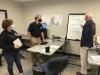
[
  {"x": 14, "y": 12},
  {"x": 62, "y": 7},
  {"x": 23, "y": 14}
]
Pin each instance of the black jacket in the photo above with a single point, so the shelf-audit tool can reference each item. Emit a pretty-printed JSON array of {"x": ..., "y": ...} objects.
[
  {"x": 6, "y": 42},
  {"x": 88, "y": 33}
]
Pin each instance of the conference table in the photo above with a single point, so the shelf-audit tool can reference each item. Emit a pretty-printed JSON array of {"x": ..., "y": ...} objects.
[
  {"x": 53, "y": 45},
  {"x": 41, "y": 49},
  {"x": 94, "y": 59}
]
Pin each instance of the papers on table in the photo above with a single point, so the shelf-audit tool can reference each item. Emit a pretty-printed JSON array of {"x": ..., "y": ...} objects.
[
  {"x": 17, "y": 42},
  {"x": 53, "y": 46},
  {"x": 96, "y": 59}
]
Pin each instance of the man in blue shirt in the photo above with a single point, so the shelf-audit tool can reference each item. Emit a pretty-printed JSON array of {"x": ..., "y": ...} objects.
[
  {"x": 36, "y": 36},
  {"x": 35, "y": 31}
]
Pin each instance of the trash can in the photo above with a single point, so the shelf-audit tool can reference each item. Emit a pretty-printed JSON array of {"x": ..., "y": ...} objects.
[{"x": 38, "y": 71}]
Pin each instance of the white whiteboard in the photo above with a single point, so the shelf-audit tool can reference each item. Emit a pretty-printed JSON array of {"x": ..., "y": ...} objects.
[
  {"x": 74, "y": 26},
  {"x": 2, "y": 17}
]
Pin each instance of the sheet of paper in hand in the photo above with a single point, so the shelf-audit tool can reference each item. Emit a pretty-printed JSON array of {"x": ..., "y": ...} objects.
[{"x": 17, "y": 42}]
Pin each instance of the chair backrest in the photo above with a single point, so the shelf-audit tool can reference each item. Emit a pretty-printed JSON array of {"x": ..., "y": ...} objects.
[{"x": 57, "y": 65}]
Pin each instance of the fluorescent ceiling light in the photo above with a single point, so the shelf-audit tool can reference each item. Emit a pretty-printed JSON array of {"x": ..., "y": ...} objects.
[{"x": 24, "y": 0}]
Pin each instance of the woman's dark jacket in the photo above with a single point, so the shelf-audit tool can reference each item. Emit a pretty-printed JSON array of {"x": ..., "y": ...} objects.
[{"x": 6, "y": 42}]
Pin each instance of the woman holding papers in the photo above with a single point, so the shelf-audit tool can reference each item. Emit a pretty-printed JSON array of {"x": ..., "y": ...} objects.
[{"x": 10, "y": 43}]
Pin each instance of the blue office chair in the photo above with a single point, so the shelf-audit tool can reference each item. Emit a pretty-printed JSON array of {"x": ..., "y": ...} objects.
[{"x": 55, "y": 66}]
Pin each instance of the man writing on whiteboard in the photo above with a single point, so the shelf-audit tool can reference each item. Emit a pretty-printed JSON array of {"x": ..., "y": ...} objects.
[{"x": 88, "y": 33}]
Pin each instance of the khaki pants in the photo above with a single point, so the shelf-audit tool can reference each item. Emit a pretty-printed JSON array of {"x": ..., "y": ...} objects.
[
  {"x": 35, "y": 40},
  {"x": 36, "y": 57},
  {"x": 83, "y": 58}
]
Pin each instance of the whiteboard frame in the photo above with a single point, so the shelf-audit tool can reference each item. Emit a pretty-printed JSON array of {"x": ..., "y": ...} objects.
[
  {"x": 5, "y": 11},
  {"x": 5, "y": 16},
  {"x": 68, "y": 24}
]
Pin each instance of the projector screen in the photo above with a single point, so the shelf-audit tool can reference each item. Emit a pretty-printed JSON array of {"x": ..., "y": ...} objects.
[{"x": 75, "y": 22}]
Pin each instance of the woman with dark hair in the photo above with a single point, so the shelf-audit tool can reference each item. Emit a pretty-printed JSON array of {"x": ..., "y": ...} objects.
[{"x": 10, "y": 50}]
